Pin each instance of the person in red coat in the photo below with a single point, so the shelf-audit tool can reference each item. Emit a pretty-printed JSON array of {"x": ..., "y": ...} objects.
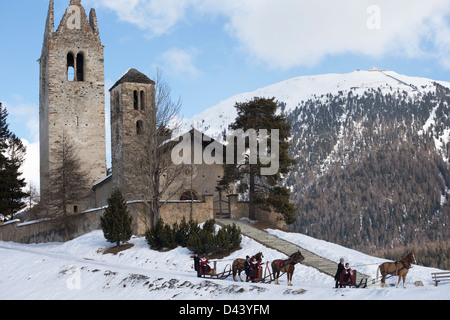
[
  {"x": 347, "y": 275},
  {"x": 254, "y": 270},
  {"x": 205, "y": 265}
]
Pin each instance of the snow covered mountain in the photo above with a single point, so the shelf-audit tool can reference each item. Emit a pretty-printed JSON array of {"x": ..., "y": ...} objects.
[
  {"x": 372, "y": 150},
  {"x": 214, "y": 121}
]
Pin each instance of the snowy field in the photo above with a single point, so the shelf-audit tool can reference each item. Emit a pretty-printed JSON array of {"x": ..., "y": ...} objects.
[{"x": 78, "y": 270}]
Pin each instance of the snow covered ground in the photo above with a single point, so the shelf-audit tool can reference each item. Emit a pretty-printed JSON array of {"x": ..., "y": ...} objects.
[{"x": 79, "y": 270}]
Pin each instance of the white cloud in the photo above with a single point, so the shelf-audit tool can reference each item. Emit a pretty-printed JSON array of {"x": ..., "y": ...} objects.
[
  {"x": 31, "y": 165},
  {"x": 288, "y": 33},
  {"x": 180, "y": 62},
  {"x": 156, "y": 16},
  {"x": 23, "y": 118}
]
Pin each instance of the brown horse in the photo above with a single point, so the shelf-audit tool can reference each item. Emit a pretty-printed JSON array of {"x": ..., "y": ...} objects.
[
  {"x": 399, "y": 268},
  {"x": 238, "y": 265},
  {"x": 287, "y": 266}
]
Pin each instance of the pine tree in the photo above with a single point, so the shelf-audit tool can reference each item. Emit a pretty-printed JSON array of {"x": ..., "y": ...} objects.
[
  {"x": 13, "y": 184},
  {"x": 116, "y": 221},
  {"x": 12, "y": 153},
  {"x": 266, "y": 192},
  {"x": 4, "y": 134}
]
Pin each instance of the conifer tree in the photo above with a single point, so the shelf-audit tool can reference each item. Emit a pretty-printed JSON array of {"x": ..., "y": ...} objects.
[
  {"x": 116, "y": 221},
  {"x": 12, "y": 153},
  {"x": 267, "y": 192}
]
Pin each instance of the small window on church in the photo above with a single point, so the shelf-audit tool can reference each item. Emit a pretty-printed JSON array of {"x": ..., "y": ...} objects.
[
  {"x": 80, "y": 67},
  {"x": 135, "y": 100},
  {"x": 142, "y": 100},
  {"x": 70, "y": 67},
  {"x": 189, "y": 195},
  {"x": 139, "y": 127}
]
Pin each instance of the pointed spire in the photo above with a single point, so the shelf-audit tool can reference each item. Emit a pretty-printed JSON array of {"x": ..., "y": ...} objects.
[
  {"x": 75, "y": 21},
  {"x": 50, "y": 25},
  {"x": 93, "y": 22}
]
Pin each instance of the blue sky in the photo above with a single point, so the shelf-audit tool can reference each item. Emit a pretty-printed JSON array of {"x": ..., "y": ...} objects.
[{"x": 210, "y": 50}]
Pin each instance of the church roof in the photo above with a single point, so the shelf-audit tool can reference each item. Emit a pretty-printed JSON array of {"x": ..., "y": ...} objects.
[{"x": 133, "y": 76}]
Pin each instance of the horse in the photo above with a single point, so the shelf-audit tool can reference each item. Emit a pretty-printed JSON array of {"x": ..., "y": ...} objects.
[
  {"x": 399, "y": 268},
  {"x": 238, "y": 265},
  {"x": 287, "y": 266}
]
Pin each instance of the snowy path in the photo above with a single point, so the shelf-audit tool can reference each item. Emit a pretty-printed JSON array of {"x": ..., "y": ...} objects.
[{"x": 311, "y": 259}]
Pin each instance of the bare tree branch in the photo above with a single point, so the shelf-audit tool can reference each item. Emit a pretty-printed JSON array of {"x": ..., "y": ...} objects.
[{"x": 159, "y": 175}]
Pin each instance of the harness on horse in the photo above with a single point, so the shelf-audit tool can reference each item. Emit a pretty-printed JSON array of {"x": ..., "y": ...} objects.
[
  {"x": 286, "y": 262},
  {"x": 283, "y": 264},
  {"x": 406, "y": 265}
]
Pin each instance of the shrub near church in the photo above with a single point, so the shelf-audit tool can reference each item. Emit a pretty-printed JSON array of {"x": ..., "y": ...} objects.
[
  {"x": 116, "y": 221},
  {"x": 188, "y": 234}
]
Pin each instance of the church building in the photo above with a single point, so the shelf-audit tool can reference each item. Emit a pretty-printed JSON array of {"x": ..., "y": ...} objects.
[{"x": 72, "y": 104}]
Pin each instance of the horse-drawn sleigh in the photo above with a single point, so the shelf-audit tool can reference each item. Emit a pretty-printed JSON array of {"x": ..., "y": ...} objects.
[
  {"x": 212, "y": 272},
  {"x": 256, "y": 274},
  {"x": 278, "y": 266}
]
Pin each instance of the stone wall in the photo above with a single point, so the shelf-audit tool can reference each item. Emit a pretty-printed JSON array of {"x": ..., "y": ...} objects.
[
  {"x": 172, "y": 211},
  {"x": 239, "y": 209},
  {"x": 51, "y": 230}
]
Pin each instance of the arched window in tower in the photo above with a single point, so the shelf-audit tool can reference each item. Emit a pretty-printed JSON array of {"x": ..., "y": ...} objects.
[
  {"x": 70, "y": 67},
  {"x": 135, "y": 100},
  {"x": 80, "y": 67},
  {"x": 142, "y": 100},
  {"x": 140, "y": 127}
]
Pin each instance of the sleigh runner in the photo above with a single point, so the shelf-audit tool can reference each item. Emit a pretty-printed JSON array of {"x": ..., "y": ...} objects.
[{"x": 212, "y": 273}]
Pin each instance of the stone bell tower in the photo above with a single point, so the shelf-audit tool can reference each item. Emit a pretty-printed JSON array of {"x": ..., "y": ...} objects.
[
  {"x": 72, "y": 92},
  {"x": 132, "y": 125}
]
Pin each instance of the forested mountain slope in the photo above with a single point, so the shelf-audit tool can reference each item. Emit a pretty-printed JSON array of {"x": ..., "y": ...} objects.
[
  {"x": 372, "y": 169},
  {"x": 372, "y": 151}
]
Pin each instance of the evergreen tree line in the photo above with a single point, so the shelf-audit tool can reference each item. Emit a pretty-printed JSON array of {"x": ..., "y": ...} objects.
[
  {"x": 318, "y": 125},
  {"x": 201, "y": 240},
  {"x": 389, "y": 198},
  {"x": 369, "y": 175}
]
